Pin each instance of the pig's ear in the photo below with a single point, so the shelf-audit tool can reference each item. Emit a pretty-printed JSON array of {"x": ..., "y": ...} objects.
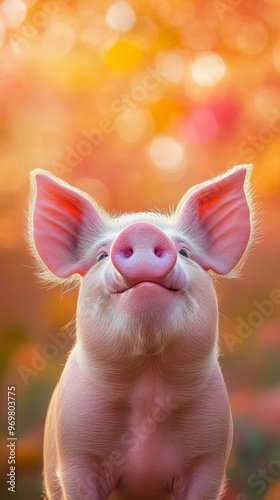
[
  {"x": 63, "y": 222},
  {"x": 216, "y": 216}
]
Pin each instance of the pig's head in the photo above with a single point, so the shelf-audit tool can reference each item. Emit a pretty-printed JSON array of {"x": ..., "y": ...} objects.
[{"x": 145, "y": 277}]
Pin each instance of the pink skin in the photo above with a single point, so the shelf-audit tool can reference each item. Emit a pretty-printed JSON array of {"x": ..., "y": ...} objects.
[
  {"x": 142, "y": 253},
  {"x": 141, "y": 410}
]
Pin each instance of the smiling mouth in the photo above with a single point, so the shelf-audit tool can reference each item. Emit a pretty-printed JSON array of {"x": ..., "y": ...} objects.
[{"x": 146, "y": 283}]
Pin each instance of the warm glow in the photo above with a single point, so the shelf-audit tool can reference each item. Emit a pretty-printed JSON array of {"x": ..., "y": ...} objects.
[
  {"x": 2, "y": 32},
  {"x": 59, "y": 39},
  {"x": 134, "y": 102},
  {"x": 166, "y": 153},
  {"x": 252, "y": 37},
  {"x": 208, "y": 69},
  {"x": 172, "y": 65},
  {"x": 13, "y": 12},
  {"x": 276, "y": 56},
  {"x": 120, "y": 16},
  {"x": 134, "y": 125},
  {"x": 200, "y": 36},
  {"x": 95, "y": 188},
  {"x": 97, "y": 32},
  {"x": 124, "y": 55},
  {"x": 201, "y": 126},
  {"x": 267, "y": 103}
]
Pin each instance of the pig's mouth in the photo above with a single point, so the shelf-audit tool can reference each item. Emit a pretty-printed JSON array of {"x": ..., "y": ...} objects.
[
  {"x": 142, "y": 284},
  {"x": 175, "y": 281}
]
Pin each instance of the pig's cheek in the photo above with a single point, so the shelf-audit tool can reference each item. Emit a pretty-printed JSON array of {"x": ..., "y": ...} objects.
[
  {"x": 93, "y": 294},
  {"x": 112, "y": 280},
  {"x": 205, "y": 302},
  {"x": 198, "y": 294}
]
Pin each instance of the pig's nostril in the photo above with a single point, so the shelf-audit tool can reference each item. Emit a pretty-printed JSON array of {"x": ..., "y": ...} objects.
[
  {"x": 143, "y": 252},
  {"x": 128, "y": 252},
  {"x": 158, "y": 251}
]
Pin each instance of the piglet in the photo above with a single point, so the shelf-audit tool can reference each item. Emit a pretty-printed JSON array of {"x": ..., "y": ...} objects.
[{"x": 141, "y": 410}]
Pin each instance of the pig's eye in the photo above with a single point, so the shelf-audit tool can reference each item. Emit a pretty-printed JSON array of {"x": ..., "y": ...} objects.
[
  {"x": 184, "y": 252},
  {"x": 101, "y": 256}
]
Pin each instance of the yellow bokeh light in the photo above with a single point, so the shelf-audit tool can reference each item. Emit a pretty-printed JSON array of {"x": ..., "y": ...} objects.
[
  {"x": 120, "y": 16},
  {"x": 166, "y": 153},
  {"x": 208, "y": 69},
  {"x": 166, "y": 39},
  {"x": 164, "y": 112},
  {"x": 124, "y": 55},
  {"x": 267, "y": 177}
]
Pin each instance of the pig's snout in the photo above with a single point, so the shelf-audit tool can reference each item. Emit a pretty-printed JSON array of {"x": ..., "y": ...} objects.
[{"x": 143, "y": 252}]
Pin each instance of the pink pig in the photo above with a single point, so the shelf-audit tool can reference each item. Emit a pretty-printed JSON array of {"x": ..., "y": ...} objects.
[{"x": 141, "y": 411}]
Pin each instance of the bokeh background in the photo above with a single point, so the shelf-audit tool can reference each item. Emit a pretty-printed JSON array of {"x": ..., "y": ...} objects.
[{"x": 135, "y": 102}]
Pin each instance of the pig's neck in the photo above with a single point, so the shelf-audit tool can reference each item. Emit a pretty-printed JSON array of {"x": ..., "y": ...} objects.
[{"x": 179, "y": 365}]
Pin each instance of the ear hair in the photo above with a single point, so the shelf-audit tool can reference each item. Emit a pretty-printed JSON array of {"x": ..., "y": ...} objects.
[
  {"x": 55, "y": 210},
  {"x": 193, "y": 215}
]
